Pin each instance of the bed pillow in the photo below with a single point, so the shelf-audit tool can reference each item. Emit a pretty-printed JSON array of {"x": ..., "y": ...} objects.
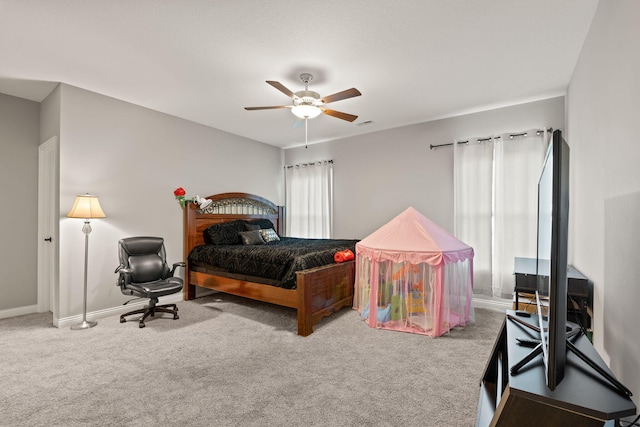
[
  {"x": 248, "y": 226},
  {"x": 269, "y": 235},
  {"x": 251, "y": 237},
  {"x": 225, "y": 233},
  {"x": 264, "y": 223}
]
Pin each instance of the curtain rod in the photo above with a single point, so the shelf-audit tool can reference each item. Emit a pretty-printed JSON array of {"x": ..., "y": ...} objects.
[
  {"x": 309, "y": 163},
  {"x": 489, "y": 138}
]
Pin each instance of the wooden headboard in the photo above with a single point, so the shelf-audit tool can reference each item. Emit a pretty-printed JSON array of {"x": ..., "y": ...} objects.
[{"x": 227, "y": 207}]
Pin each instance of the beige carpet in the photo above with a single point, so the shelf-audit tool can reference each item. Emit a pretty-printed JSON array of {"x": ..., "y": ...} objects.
[{"x": 234, "y": 362}]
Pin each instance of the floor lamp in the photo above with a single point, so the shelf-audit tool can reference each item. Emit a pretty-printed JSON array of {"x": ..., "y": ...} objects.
[{"x": 86, "y": 207}]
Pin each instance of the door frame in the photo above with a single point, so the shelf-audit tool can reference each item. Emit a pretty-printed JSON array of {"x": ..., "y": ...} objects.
[{"x": 48, "y": 225}]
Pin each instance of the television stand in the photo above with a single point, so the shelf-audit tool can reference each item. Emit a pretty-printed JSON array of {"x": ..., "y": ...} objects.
[
  {"x": 582, "y": 397},
  {"x": 570, "y": 346},
  {"x": 579, "y": 288}
]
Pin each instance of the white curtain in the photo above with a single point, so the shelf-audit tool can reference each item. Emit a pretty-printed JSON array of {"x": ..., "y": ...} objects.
[
  {"x": 518, "y": 163},
  {"x": 473, "y": 186},
  {"x": 309, "y": 200},
  {"x": 496, "y": 194}
]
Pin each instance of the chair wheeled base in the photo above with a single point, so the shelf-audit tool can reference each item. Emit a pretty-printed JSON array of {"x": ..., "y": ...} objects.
[{"x": 151, "y": 310}]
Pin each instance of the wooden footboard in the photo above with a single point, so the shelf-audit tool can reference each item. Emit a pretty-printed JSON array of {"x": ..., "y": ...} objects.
[{"x": 322, "y": 291}]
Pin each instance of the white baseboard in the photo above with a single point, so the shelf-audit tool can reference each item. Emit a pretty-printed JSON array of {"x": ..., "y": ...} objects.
[
  {"x": 114, "y": 311},
  {"x": 492, "y": 304},
  {"x": 18, "y": 311}
]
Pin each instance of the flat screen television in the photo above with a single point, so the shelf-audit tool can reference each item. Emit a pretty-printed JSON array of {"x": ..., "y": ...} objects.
[{"x": 551, "y": 265}]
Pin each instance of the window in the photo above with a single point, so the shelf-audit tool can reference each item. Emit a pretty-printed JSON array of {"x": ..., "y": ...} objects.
[{"x": 309, "y": 199}]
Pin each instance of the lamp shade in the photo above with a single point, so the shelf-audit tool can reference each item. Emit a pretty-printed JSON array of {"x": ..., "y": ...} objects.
[{"x": 86, "y": 206}]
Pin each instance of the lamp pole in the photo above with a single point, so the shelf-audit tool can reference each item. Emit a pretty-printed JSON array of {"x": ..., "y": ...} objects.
[{"x": 86, "y": 229}]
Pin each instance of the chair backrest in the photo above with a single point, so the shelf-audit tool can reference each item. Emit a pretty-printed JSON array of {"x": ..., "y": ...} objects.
[{"x": 145, "y": 256}]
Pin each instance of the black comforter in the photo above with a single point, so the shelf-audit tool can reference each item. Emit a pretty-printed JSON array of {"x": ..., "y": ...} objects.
[{"x": 277, "y": 261}]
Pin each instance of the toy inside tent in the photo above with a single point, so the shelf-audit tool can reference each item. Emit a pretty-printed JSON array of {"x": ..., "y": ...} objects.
[{"x": 423, "y": 290}]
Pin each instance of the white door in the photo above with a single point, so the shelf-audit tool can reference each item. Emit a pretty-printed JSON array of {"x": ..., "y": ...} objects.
[{"x": 47, "y": 225}]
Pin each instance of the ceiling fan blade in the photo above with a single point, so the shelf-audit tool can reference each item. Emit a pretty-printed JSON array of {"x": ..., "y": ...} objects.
[
  {"x": 345, "y": 94},
  {"x": 267, "y": 108},
  {"x": 281, "y": 88},
  {"x": 339, "y": 115}
]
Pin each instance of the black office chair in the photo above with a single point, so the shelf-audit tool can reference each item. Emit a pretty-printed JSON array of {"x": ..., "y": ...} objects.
[{"x": 144, "y": 273}]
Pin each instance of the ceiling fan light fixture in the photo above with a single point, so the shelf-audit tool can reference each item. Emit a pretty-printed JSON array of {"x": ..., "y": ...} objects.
[{"x": 306, "y": 111}]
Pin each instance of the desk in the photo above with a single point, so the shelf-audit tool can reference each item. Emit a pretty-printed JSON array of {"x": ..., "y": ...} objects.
[
  {"x": 577, "y": 286},
  {"x": 583, "y": 398}
]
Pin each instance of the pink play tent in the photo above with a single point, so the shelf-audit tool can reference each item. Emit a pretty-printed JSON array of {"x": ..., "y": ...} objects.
[{"x": 413, "y": 276}]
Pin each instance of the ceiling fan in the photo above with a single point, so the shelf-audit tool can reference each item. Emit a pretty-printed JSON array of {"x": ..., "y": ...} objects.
[{"x": 308, "y": 104}]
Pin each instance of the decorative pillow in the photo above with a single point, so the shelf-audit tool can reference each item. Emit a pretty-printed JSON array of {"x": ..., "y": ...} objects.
[
  {"x": 269, "y": 235},
  {"x": 251, "y": 237},
  {"x": 251, "y": 226},
  {"x": 225, "y": 233},
  {"x": 264, "y": 223}
]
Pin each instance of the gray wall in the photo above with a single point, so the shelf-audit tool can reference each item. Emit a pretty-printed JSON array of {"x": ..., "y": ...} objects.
[
  {"x": 50, "y": 115},
  {"x": 602, "y": 120},
  {"x": 133, "y": 158},
  {"x": 380, "y": 174},
  {"x": 19, "y": 139}
]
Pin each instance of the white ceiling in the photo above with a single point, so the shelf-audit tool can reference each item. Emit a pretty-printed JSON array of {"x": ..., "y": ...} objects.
[{"x": 413, "y": 60}]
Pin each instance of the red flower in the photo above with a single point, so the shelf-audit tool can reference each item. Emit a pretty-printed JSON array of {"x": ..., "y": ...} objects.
[{"x": 179, "y": 192}]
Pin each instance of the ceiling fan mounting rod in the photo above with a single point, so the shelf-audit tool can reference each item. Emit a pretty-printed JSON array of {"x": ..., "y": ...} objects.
[{"x": 306, "y": 78}]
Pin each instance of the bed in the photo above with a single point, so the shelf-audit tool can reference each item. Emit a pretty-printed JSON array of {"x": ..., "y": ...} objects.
[{"x": 314, "y": 292}]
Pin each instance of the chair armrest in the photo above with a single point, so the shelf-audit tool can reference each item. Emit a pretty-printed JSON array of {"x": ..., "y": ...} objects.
[
  {"x": 124, "y": 277},
  {"x": 176, "y": 265}
]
